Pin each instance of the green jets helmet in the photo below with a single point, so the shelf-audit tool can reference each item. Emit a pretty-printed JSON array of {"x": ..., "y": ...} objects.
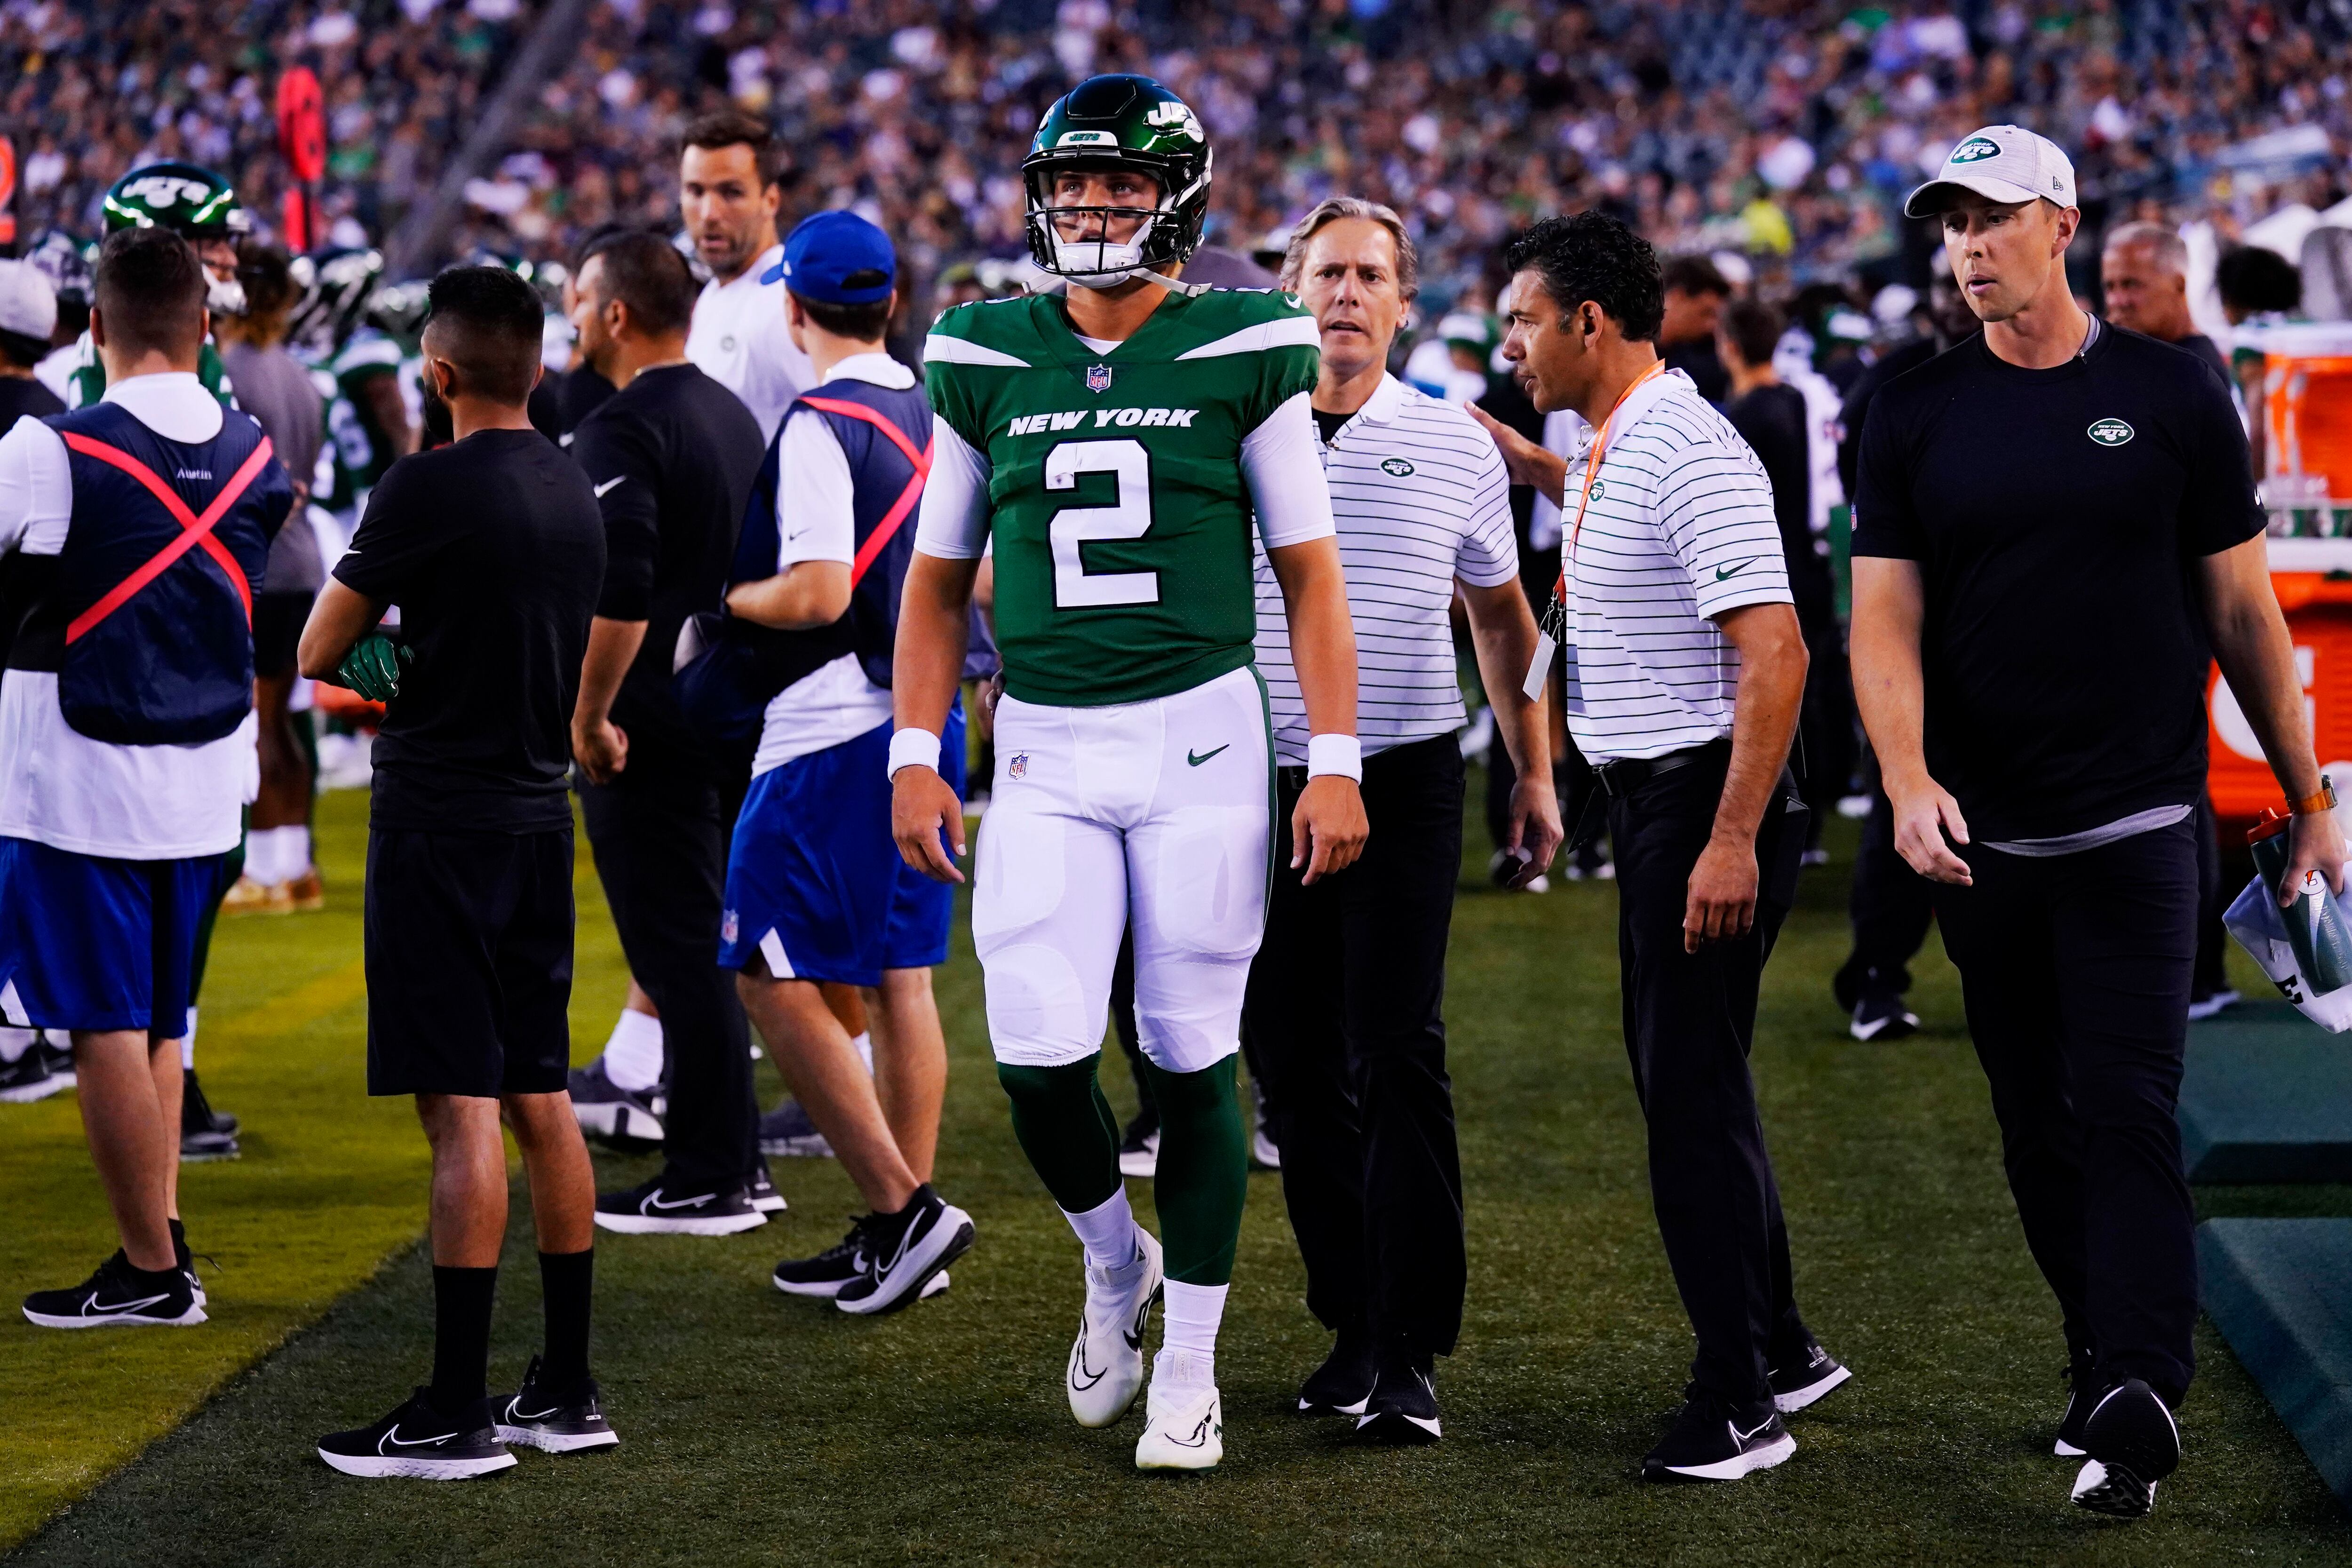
[
  {"x": 1119, "y": 123},
  {"x": 338, "y": 288},
  {"x": 194, "y": 203}
]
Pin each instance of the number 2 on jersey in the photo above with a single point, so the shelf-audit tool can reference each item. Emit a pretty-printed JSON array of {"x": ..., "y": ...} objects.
[{"x": 1073, "y": 527}]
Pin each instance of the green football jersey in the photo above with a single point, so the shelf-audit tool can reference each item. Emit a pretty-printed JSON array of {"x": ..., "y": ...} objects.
[
  {"x": 362, "y": 451},
  {"x": 86, "y": 382},
  {"x": 1120, "y": 518}
]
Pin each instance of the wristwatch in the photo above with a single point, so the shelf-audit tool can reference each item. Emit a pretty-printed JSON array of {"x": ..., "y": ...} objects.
[{"x": 2312, "y": 803}]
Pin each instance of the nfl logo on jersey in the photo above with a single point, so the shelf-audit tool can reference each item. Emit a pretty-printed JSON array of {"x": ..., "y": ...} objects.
[
  {"x": 1097, "y": 378},
  {"x": 1018, "y": 768},
  {"x": 728, "y": 927}
]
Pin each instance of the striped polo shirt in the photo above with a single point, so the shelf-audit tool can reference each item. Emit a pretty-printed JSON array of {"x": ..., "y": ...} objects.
[
  {"x": 1678, "y": 529},
  {"x": 1420, "y": 496}
]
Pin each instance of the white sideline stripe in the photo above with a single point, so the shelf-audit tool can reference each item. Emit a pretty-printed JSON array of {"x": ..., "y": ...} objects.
[
  {"x": 1291, "y": 332},
  {"x": 938, "y": 348}
]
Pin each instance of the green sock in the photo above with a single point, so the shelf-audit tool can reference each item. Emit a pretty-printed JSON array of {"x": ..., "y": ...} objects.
[
  {"x": 1203, "y": 1174},
  {"x": 1066, "y": 1128}
]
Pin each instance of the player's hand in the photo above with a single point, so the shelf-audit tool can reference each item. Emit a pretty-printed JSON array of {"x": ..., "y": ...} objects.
[
  {"x": 1527, "y": 462},
  {"x": 2314, "y": 843},
  {"x": 1535, "y": 832},
  {"x": 1925, "y": 812},
  {"x": 922, "y": 807},
  {"x": 373, "y": 666},
  {"x": 601, "y": 748},
  {"x": 1327, "y": 829},
  {"x": 1722, "y": 894}
]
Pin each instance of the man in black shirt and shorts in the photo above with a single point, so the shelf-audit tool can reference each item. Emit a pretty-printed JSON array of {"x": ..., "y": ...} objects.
[
  {"x": 2055, "y": 521},
  {"x": 494, "y": 551}
]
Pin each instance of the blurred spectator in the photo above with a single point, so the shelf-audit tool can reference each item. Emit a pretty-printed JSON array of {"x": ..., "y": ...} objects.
[
  {"x": 29, "y": 314},
  {"x": 2144, "y": 277},
  {"x": 1695, "y": 290}
]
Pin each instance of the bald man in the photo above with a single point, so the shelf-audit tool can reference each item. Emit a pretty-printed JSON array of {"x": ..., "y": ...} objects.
[{"x": 2144, "y": 272}]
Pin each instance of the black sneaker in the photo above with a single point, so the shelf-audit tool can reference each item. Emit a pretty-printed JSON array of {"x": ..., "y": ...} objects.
[
  {"x": 1342, "y": 1385},
  {"x": 1404, "y": 1407},
  {"x": 787, "y": 1131},
  {"x": 416, "y": 1441},
  {"x": 555, "y": 1421},
  {"x": 60, "y": 1058},
  {"x": 826, "y": 1274},
  {"x": 119, "y": 1295},
  {"x": 903, "y": 1251},
  {"x": 1712, "y": 1442},
  {"x": 1138, "y": 1149},
  {"x": 762, "y": 1190},
  {"x": 187, "y": 1262},
  {"x": 2132, "y": 1443},
  {"x": 31, "y": 1076},
  {"x": 664, "y": 1207},
  {"x": 1803, "y": 1374},
  {"x": 623, "y": 1118},
  {"x": 197, "y": 1112},
  {"x": 1883, "y": 1019}
]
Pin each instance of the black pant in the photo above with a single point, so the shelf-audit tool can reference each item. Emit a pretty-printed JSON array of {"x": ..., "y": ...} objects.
[
  {"x": 661, "y": 852},
  {"x": 1344, "y": 1009},
  {"x": 2075, "y": 970},
  {"x": 1892, "y": 907},
  {"x": 1690, "y": 1018}
]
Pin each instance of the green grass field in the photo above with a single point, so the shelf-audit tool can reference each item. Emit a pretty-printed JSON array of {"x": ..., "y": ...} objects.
[{"x": 760, "y": 1428}]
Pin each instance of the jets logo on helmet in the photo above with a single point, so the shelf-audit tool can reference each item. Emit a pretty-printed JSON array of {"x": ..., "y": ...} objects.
[
  {"x": 1117, "y": 122},
  {"x": 191, "y": 200}
]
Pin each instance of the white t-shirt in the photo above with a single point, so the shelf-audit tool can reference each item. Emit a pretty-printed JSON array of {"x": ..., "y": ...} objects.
[
  {"x": 1421, "y": 497},
  {"x": 740, "y": 340},
  {"x": 816, "y": 520},
  {"x": 1679, "y": 530},
  {"x": 58, "y": 787}
]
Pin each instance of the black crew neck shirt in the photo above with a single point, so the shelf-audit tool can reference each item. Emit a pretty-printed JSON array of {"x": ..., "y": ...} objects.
[
  {"x": 2058, "y": 517},
  {"x": 672, "y": 458},
  {"x": 1773, "y": 421},
  {"x": 493, "y": 550}
]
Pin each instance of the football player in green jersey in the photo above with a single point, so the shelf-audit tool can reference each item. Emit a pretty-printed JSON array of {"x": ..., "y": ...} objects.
[
  {"x": 1112, "y": 446},
  {"x": 201, "y": 207}
]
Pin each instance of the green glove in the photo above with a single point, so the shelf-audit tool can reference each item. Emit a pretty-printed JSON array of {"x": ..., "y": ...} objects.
[{"x": 373, "y": 666}]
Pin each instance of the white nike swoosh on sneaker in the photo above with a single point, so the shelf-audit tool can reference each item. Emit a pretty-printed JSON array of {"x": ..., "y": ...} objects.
[
  {"x": 534, "y": 1415},
  {"x": 396, "y": 1440},
  {"x": 1739, "y": 1436},
  {"x": 607, "y": 485},
  {"x": 95, "y": 1305},
  {"x": 655, "y": 1202}
]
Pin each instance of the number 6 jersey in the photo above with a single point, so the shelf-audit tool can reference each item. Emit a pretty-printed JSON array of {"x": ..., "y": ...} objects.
[{"x": 1118, "y": 486}]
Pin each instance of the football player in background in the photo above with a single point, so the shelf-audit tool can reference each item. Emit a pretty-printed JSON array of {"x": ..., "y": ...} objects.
[{"x": 1113, "y": 443}]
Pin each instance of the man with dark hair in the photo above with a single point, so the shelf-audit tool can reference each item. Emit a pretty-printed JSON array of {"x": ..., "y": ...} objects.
[
  {"x": 1695, "y": 290},
  {"x": 1685, "y": 671},
  {"x": 493, "y": 548},
  {"x": 671, "y": 456},
  {"x": 731, "y": 194},
  {"x": 127, "y": 712}
]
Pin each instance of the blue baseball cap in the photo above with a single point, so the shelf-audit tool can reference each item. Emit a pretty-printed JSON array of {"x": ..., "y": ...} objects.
[{"x": 825, "y": 256}]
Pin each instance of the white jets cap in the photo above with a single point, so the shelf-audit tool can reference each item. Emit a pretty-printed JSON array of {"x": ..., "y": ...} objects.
[
  {"x": 2001, "y": 164},
  {"x": 28, "y": 306}
]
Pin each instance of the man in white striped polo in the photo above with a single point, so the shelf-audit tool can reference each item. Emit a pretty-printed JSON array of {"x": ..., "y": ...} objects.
[
  {"x": 1685, "y": 670},
  {"x": 1343, "y": 1006}
]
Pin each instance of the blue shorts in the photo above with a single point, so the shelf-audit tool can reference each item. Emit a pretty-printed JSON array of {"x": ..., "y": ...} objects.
[
  {"x": 91, "y": 943},
  {"x": 814, "y": 882}
]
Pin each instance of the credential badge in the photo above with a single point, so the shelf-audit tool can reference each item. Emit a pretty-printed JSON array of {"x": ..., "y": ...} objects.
[{"x": 1097, "y": 378}]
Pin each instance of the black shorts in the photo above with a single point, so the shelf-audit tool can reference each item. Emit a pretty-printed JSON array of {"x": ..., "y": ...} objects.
[
  {"x": 469, "y": 962},
  {"x": 277, "y": 622}
]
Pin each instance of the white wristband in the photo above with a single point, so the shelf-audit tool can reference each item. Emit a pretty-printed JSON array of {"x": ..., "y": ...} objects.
[
  {"x": 914, "y": 749},
  {"x": 1342, "y": 755}
]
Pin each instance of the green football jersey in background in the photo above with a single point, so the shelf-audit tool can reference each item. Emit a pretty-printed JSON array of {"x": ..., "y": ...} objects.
[{"x": 1120, "y": 518}]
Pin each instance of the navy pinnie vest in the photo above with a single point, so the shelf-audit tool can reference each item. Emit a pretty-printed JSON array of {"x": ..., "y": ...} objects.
[{"x": 146, "y": 614}]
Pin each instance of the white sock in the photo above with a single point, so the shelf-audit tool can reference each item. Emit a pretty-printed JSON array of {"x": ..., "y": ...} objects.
[
  {"x": 1107, "y": 1232},
  {"x": 14, "y": 1043},
  {"x": 293, "y": 850},
  {"x": 864, "y": 1046},
  {"x": 632, "y": 1056},
  {"x": 260, "y": 855},
  {"x": 1191, "y": 1314},
  {"x": 188, "y": 1044}
]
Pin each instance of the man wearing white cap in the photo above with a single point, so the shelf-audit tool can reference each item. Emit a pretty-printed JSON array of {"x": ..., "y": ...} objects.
[
  {"x": 2057, "y": 520},
  {"x": 29, "y": 314}
]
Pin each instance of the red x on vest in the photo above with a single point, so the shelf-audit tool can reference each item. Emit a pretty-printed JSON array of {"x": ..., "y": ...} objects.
[
  {"x": 193, "y": 530},
  {"x": 880, "y": 538}
]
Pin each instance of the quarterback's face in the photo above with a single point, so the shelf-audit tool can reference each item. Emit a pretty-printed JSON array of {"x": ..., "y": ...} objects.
[
  {"x": 1348, "y": 279},
  {"x": 1083, "y": 188},
  {"x": 2001, "y": 252},
  {"x": 729, "y": 213}
]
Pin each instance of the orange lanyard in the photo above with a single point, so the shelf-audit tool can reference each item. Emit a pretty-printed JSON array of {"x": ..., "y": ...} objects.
[{"x": 1592, "y": 461}]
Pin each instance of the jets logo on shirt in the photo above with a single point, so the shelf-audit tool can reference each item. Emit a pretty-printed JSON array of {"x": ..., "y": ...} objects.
[
  {"x": 1595, "y": 492},
  {"x": 2110, "y": 432},
  {"x": 1397, "y": 467}
]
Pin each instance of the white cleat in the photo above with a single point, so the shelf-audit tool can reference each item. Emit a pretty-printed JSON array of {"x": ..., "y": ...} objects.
[
  {"x": 1106, "y": 1370},
  {"x": 1183, "y": 1423}
]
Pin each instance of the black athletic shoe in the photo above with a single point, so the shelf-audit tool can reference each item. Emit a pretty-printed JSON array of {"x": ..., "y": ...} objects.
[
  {"x": 623, "y": 1118},
  {"x": 2133, "y": 1444},
  {"x": 556, "y": 1420},
  {"x": 187, "y": 1262},
  {"x": 762, "y": 1191},
  {"x": 205, "y": 1133},
  {"x": 418, "y": 1442},
  {"x": 1712, "y": 1442},
  {"x": 1138, "y": 1147},
  {"x": 30, "y": 1077},
  {"x": 1882, "y": 1019},
  {"x": 60, "y": 1057},
  {"x": 664, "y": 1207},
  {"x": 121, "y": 1295},
  {"x": 787, "y": 1131},
  {"x": 904, "y": 1250},
  {"x": 1404, "y": 1407},
  {"x": 826, "y": 1274},
  {"x": 1804, "y": 1373},
  {"x": 2082, "y": 1392},
  {"x": 1342, "y": 1385}
]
